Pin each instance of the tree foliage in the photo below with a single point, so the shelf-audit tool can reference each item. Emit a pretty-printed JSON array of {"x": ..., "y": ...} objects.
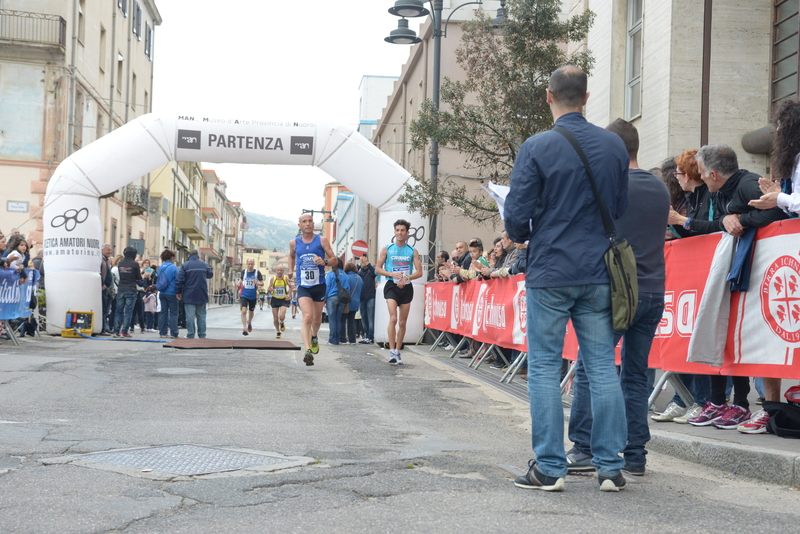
[{"x": 501, "y": 103}]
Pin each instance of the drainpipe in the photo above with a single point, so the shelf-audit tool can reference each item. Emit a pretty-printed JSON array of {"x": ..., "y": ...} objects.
[
  {"x": 71, "y": 95},
  {"x": 113, "y": 68},
  {"x": 706, "y": 76},
  {"x": 127, "y": 99}
]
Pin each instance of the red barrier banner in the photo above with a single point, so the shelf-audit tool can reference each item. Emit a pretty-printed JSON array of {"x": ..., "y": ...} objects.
[
  {"x": 763, "y": 328},
  {"x": 492, "y": 311}
]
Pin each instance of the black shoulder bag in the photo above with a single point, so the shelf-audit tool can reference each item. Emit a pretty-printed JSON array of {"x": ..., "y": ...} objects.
[{"x": 619, "y": 258}]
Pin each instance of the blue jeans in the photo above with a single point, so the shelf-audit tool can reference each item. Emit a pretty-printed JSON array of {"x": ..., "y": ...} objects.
[
  {"x": 334, "y": 319},
  {"x": 169, "y": 315},
  {"x": 368, "y": 317},
  {"x": 195, "y": 311},
  {"x": 698, "y": 385},
  {"x": 637, "y": 340},
  {"x": 589, "y": 307},
  {"x": 125, "y": 303}
]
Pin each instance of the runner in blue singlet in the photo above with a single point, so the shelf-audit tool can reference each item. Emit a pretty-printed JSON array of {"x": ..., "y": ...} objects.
[
  {"x": 399, "y": 263},
  {"x": 307, "y": 261}
]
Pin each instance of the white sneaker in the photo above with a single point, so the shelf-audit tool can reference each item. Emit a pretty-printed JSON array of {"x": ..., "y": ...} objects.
[
  {"x": 392, "y": 356},
  {"x": 691, "y": 413},
  {"x": 399, "y": 359},
  {"x": 670, "y": 413}
]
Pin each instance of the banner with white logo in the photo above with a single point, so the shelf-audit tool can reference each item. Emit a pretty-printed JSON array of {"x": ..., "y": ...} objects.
[{"x": 763, "y": 330}]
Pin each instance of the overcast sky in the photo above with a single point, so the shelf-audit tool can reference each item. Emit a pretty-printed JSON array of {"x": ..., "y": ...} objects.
[{"x": 267, "y": 59}]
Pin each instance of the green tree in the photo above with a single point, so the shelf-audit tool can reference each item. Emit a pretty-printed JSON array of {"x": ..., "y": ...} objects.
[{"x": 500, "y": 104}]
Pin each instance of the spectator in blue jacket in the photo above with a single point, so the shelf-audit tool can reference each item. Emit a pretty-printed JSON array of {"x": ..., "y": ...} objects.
[
  {"x": 551, "y": 204},
  {"x": 167, "y": 276},
  {"x": 333, "y": 304},
  {"x": 349, "y": 318},
  {"x": 191, "y": 287}
]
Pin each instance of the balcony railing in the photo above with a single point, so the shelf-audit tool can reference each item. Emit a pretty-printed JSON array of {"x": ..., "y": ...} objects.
[
  {"x": 27, "y": 27},
  {"x": 138, "y": 199}
]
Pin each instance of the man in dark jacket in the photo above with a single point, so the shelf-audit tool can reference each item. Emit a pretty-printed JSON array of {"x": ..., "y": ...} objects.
[
  {"x": 129, "y": 277},
  {"x": 191, "y": 287},
  {"x": 719, "y": 169},
  {"x": 642, "y": 226},
  {"x": 551, "y": 204},
  {"x": 367, "y": 273}
]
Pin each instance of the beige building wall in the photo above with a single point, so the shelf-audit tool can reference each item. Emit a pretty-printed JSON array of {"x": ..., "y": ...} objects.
[
  {"x": 79, "y": 78},
  {"x": 672, "y": 71},
  {"x": 392, "y": 135}
]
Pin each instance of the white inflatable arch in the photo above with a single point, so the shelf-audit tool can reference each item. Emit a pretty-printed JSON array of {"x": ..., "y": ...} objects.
[{"x": 72, "y": 225}]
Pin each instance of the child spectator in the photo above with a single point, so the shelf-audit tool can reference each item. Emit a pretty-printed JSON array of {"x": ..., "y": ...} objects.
[{"x": 150, "y": 308}]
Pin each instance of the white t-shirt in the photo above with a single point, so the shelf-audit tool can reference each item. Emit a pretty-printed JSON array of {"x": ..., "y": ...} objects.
[{"x": 15, "y": 259}]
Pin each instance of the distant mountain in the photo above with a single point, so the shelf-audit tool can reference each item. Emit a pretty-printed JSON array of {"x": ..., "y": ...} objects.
[{"x": 269, "y": 232}]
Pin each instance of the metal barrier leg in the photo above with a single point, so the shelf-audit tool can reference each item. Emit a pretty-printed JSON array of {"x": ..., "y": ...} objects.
[
  {"x": 458, "y": 347},
  {"x": 513, "y": 368},
  {"x": 676, "y": 383},
  {"x": 498, "y": 353},
  {"x": 568, "y": 377},
  {"x": 422, "y": 336},
  {"x": 480, "y": 354},
  {"x": 681, "y": 389},
  {"x": 438, "y": 340},
  {"x": 10, "y": 332}
]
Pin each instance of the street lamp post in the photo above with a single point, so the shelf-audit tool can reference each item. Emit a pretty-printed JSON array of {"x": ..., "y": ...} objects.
[
  {"x": 329, "y": 220},
  {"x": 404, "y": 35}
]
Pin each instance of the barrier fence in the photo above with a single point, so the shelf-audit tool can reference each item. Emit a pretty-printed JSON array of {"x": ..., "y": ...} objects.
[{"x": 752, "y": 333}]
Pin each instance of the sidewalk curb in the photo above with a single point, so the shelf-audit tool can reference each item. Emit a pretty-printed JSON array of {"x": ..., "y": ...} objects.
[{"x": 775, "y": 467}]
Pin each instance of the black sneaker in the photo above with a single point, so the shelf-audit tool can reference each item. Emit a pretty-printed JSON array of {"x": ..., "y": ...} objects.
[
  {"x": 309, "y": 358},
  {"x": 578, "y": 461},
  {"x": 614, "y": 483},
  {"x": 635, "y": 470},
  {"x": 535, "y": 479}
]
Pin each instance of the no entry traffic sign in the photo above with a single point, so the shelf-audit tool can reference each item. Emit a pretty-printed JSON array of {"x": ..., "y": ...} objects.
[{"x": 359, "y": 248}]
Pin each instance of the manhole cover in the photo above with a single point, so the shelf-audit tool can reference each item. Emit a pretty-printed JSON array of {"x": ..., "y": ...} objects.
[{"x": 185, "y": 460}]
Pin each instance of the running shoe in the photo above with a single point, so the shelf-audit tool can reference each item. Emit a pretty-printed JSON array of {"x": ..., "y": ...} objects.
[
  {"x": 283, "y": 327},
  {"x": 614, "y": 483},
  {"x": 315, "y": 345},
  {"x": 756, "y": 425},
  {"x": 308, "y": 359},
  {"x": 579, "y": 461},
  {"x": 535, "y": 479},
  {"x": 691, "y": 413},
  {"x": 278, "y": 335},
  {"x": 732, "y": 418},
  {"x": 125, "y": 334},
  {"x": 244, "y": 332},
  {"x": 399, "y": 359},
  {"x": 392, "y": 356},
  {"x": 249, "y": 327},
  {"x": 711, "y": 412},
  {"x": 672, "y": 411}
]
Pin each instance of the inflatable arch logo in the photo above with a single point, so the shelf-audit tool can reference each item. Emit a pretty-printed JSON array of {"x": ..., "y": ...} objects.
[{"x": 72, "y": 225}]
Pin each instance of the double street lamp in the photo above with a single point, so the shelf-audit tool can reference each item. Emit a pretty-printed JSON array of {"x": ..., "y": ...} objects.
[
  {"x": 329, "y": 220},
  {"x": 404, "y": 35}
]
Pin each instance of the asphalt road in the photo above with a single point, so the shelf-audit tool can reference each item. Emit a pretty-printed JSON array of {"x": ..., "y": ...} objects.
[{"x": 413, "y": 448}]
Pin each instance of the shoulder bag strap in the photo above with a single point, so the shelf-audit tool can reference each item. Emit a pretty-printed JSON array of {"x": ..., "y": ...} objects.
[{"x": 609, "y": 228}]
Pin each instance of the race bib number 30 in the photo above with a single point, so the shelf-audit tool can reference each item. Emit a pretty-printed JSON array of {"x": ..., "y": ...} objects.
[{"x": 309, "y": 277}]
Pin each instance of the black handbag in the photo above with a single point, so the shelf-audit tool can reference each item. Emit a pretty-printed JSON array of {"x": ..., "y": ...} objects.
[
  {"x": 619, "y": 258},
  {"x": 344, "y": 295}
]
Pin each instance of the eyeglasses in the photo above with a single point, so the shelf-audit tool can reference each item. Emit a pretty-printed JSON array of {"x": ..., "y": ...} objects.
[{"x": 676, "y": 173}]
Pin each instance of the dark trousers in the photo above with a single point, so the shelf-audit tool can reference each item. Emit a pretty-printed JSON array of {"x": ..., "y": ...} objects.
[
  {"x": 741, "y": 389},
  {"x": 349, "y": 327},
  {"x": 137, "y": 317}
]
